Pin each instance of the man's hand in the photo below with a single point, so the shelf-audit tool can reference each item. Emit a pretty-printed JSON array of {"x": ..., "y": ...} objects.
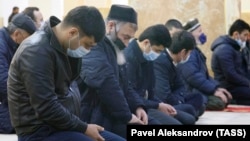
[
  {"x": 93, "y": 132},
  {"x": 167, "y": 109},
  {"x": 223, "y": 94},
  {"x": 227, "y": 93},
  {"x": 135, "y": 120},
  {"x": 142, "y": 115}
]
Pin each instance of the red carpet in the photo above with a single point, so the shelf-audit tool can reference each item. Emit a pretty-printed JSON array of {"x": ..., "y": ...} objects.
[{"x": 237, "y": 108}]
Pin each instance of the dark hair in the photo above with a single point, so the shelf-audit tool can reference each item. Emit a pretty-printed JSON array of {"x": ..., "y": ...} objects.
[
  {"x": 238, "y": 25},
  {"x": 157, "y": 35},
  {"x": 13, "y": 13},
  {"x": 173, "y": 23},
  {"x": 89, "y": 21},
  {"x": 30, "y": 12},
  {"x": 182, "y": 40},
  {"x": 15, "y": 8}
]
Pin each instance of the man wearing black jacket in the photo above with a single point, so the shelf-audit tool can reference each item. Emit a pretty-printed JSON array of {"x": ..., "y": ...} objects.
[{"x": 44, "y": 99}]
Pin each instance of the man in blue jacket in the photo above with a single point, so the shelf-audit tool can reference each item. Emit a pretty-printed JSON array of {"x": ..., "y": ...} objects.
[
  {"x": 195, "y": 73},
  {"x": 168, "y": 85},
  {"x": 11, "y": 36},
  {"x": 227, "y": 61},
  {"x": 108, "y": 98},
  {"x": 140, "y": 54}
]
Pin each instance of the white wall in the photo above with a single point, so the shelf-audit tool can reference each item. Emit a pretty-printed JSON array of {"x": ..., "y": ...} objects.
[
  {"x": 245, "y": 6},
  {"x": 104, "y": 3},
  {"x": 47, "y": 7},
  {"x": 125, "y": 2},
  {"x": 6, "y": 8},
  {"x": 232, "y": 12}
]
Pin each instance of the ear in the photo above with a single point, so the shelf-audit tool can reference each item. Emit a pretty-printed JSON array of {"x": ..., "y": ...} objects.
[
  {"x": 110, "y": 26},
  {"x": 146, "y": 42},
  {"x": 72, "y": 31},
  {"x": 15, "y": 34},
  {"x": 183, "y": 52},
  {"x": 146, "y": 45},
  {"x": 236, "y": 34}
]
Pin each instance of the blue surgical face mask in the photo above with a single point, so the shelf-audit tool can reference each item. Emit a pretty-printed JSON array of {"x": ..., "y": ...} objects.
[
  {"x": 203, "y": 38},
  {"x": 151, "y": 56},
  {"x": 79, "y": 52}
]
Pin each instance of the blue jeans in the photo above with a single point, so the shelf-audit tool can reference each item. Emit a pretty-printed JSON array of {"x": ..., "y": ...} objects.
[{"x": 49, "y": 134}]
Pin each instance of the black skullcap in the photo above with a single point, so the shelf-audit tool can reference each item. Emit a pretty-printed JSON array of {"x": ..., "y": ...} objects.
[
  {"x": 191, "y": 25},
  {"x": 123, "y": 13},
  {"x": 24, "y": 22}
]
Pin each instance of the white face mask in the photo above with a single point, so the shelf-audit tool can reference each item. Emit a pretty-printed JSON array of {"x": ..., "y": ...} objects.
[
  {"x": 120, "y": 58},
  {"x": 241, "y": 43},
  {"x": 79, "y": 52},
  {"x": 184, "y": 61},
  {"x": 41, "y": 24}
]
